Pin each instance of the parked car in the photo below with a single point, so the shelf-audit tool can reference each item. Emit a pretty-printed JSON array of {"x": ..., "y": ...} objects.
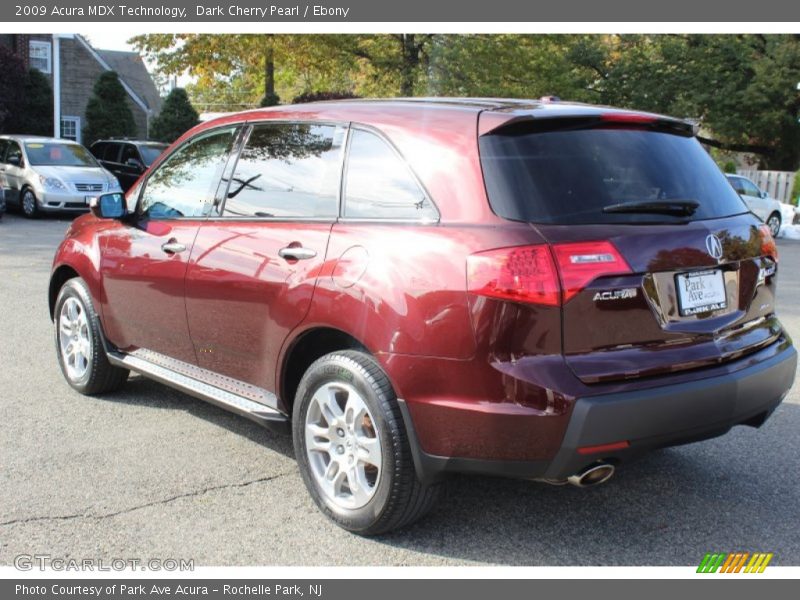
[
  {"x": 41, "y": 174},
  {"x": 127, "y": 159},
  {"x": 759, "y": 202},
  {"x": 540, "y": 290}
]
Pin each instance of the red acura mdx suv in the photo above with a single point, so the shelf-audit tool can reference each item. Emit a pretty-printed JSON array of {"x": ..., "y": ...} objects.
[{"x": 535, "y": 289}]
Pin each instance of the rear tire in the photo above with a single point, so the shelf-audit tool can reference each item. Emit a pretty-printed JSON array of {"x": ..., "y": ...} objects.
[
  {"x": 352, "y": 447},
  {"x": 80, "y": 344},
  {"x": 28, "y": 204}
]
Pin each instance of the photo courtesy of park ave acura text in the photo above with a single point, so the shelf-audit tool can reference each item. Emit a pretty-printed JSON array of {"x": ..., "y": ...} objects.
[{"x": 382, "y": 299}]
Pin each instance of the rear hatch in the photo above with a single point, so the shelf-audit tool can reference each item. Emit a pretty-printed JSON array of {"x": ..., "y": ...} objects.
[{"x": 661, "y": 266}]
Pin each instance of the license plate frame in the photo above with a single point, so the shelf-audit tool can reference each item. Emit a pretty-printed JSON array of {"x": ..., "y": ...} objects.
[{"x": 701, "y": 292}]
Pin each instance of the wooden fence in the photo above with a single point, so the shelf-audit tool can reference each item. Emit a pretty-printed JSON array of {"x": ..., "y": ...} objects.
[{"x": 777, "y": 184}]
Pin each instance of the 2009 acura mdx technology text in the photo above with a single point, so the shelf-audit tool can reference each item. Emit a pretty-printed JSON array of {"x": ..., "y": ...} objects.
[{"x": 534, "y": 289}]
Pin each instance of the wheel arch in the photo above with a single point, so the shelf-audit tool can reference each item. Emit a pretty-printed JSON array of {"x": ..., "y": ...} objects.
[
  {"x": 59, "y": 277},
  {"x": 304, "y": 349}
]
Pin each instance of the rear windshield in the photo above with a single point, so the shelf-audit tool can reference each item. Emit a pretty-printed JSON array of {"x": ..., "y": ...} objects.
[
  {"x": 58, "y": 154},
  {"x": 569, "y": 176}
]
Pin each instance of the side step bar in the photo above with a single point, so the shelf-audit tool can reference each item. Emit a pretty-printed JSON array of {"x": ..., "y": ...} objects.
[{"x": 206, "y": 385}]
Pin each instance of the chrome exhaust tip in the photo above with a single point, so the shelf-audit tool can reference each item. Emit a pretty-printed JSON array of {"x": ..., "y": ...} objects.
[{"x": 594, "y": 475}]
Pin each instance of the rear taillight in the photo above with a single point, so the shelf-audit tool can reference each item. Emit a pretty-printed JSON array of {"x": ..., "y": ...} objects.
[
  {"x": 768, "y": 246},
  {"x": 521, "y": 274},
  {"x": 529, "y": 273},
  {"x": 580, "y": 263}
]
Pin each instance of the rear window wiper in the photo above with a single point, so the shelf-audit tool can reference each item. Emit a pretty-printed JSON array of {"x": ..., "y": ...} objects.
[{"x": 665, "y": 207}]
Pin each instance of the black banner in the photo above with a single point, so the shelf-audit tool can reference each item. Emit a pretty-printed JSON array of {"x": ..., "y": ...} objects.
[
  {"x": 473, "y": 11},
  {"x": 388, "y": 589}
]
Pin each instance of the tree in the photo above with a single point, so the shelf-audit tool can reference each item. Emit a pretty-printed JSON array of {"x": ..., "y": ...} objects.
[
  {"x": 239, "y": 71},
  {"x": 742, "y": 87},
  {"x": 176, "y": 117},
  {"x": 36, "y": 116},
  {"x": 108, "y": 113},
  {"x": 11, "y": 87}
]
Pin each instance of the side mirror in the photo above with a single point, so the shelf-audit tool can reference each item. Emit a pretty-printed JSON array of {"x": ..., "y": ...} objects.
[
  {"x": 109, "y": 206},
  {"x": 132, "y": 162},
  {"x": 15, "y": 160},
  {"x": 763, "y": 195}
]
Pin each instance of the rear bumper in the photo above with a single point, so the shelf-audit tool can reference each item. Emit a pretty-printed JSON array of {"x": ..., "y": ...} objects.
[{"x": 646, "y": 419}]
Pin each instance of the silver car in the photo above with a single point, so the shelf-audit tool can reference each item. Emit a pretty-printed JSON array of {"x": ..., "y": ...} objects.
[
  {"x": 759, "y": 202},
  {"x": 41, "y": 174}
]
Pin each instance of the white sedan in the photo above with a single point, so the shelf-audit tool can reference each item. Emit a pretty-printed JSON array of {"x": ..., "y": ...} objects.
[{"x": 765, "y": 208}]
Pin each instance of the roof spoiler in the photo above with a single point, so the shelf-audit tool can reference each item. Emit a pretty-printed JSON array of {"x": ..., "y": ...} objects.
[{"x": 491, "y": 122}]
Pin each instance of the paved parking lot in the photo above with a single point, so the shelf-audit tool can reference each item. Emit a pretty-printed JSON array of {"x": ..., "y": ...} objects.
[{"x": 151, "y": 473}]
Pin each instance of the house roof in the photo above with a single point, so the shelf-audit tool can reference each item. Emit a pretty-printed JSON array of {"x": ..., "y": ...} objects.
[{"x": 132, "y": 70}]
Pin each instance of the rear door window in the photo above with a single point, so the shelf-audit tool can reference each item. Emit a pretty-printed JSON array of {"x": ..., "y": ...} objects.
[
  {"x": 379, "y": 184},
  {"x": 569, "y": 176},
  {"x": 288, "y": 170},
  {"x": 129, "y": 152},
  {"x": 111, "y": 153}
]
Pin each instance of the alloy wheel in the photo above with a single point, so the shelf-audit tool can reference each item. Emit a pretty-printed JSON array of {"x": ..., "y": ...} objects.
[
  {"x": 774, "y": 224},
  {"x": 28, "y": 203},
  {"x": 74, "y": 338},
  {"x": 343, "y": 445}
]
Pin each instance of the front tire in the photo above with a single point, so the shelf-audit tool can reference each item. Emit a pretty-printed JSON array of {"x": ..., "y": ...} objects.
[
  {"x": 352, "y": 447},
  {"x": 79, "y": 342},
  {"x": 774, "y": 224},
  {"x": 29, "y": 204}
]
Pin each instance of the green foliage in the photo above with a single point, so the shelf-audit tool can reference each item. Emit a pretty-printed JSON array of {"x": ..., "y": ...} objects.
[
  {"x": 742, "y": 87},
  {"x": 36, "y": 116},
  {"x": 729, "y": 167},
  {"x": 176, "y": 117},
  {"x": 12, "y": 83},
  {"x": 322, "y": 96},
  {"x": 270, "y": 99},
  {"x": 108, "y": 113},
  {"x": 796, "y": 189}
]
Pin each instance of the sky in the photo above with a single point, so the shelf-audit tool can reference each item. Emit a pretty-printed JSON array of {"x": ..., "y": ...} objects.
[{"x": 108, "y": 40}]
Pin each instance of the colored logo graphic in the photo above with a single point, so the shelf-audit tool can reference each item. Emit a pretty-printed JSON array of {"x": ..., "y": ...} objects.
[{"x": 735, "y": 562}]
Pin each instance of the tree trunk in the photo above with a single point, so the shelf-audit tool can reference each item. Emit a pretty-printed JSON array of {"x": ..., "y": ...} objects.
[
  {"x": 410, "y": 62},
  {"x": 269, "y": 72}
]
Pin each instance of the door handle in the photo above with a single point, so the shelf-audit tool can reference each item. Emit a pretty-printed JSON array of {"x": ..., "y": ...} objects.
[
  {"x": 172, "y": 247},
  {"x": 296, "y": 253}
]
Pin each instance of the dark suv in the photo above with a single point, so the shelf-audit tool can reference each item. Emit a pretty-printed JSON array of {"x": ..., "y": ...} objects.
[
  {"x": 127, "y": 159},
  {"x": 534, "y": 289}
]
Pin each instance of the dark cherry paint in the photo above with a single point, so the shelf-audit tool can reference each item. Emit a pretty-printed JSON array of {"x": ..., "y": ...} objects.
[{"x": 482, "y": 378}]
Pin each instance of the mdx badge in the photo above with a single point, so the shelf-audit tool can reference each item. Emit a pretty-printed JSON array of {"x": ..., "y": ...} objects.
[
  {"x": 714, "y": 246},
  {"x": 623, "y": 294}
]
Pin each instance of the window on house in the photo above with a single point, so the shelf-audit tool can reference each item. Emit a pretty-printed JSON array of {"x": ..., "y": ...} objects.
[
  {"x": 71, "y": 128},
  {"x": 39, "y": 53}
]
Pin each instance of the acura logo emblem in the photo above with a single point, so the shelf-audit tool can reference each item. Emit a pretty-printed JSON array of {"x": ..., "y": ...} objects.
[{"x": 714, "y": 246}]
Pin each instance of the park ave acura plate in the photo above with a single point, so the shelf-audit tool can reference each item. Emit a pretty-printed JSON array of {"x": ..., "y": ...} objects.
[{"x": 700, "y": 292}]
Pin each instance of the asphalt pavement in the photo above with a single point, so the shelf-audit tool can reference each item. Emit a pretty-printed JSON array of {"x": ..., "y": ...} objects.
[{"x": 149, "y": 472}]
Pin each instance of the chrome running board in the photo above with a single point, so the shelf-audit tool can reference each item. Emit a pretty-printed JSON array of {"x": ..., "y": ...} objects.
[{"x": 255, "y": 403}]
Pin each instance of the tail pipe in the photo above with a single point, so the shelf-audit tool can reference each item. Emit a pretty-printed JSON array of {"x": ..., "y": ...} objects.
[{"x": 591, "y": 476}]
